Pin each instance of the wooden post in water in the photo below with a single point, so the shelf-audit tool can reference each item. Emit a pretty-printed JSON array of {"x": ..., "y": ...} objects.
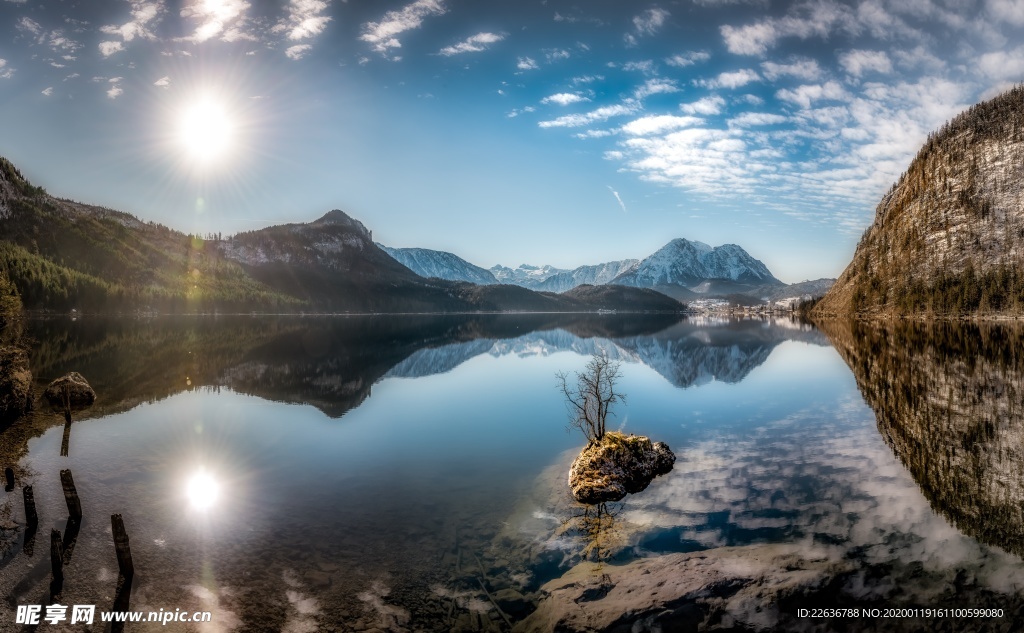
[
  {"x": 71, "y": 529},
  {"x": 124, "y": 553},
  {"x": 122, "y": 597},
  {"x": 65, "y": 441},
  {"x": 9, "y": 476},
  {"x": 57, "y": 556},
  {"x": 30, "y": 508},
  {"x": 71, "y": 495}
]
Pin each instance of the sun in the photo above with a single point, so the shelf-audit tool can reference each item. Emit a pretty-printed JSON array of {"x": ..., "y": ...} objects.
[{"x": 206, "y": 131}]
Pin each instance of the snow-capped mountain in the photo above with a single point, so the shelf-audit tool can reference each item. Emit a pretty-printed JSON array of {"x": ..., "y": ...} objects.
[
  {"x": 526, "y": 275},
  {"x": 685, "y": 263},
  {"x": 680, "y": 266},
  {"x": 551, "y": 279},
  {"x": 427, "y": 263},
  {"x": 595, "y": 275}
]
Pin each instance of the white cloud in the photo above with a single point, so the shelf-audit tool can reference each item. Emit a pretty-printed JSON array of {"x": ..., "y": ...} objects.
[
  {"x": 687, "y": 59},
  {"x": 556, "y": 54},
  {"x": 220, "y": 18},
  {"x": 298, "y": 51},
  {"x": 1011, "y": 11},
  {"x": 804, "y": 20},
  {"x": 28, "y": 25},
  {"x": 645, "y": 66},
  {"x": 622, "y": 204},
  {"x": 753, "y": 39},
  {"x": 564, "y": 98},
  {"x": 163, "y": 82},
  {"x": 472, "y": 44},
  {"x": 733, "y": 80},
  {"x": 109, "y": 48},
  {"x": 655, "y": 87},
  {"x": 701, "y": 159},
  {"x": 304, "y": 19},
  {"x": 659, "y": 124},
  {"x": 5, "y": 71},
  {"x": 1003, "y": 65},
  {"x": 647, "y": 23},
  {"x": 600, "y": 114},
  {"x": 17, "y": 1},
  {"x": 748, "y": 119},
  {"x": 62, "y": 44},
  {"x": 806, "y": 69},
  {"x": 48, "y": 91},
  {"x": 586, "y": 79},
  {"x": 115, "y": 90},
  {"x": 707, "y": 105},
  {"x": 858, "y": 62},
  {"x": 595, "y": 134},
  {"x": 526, "y": 63},
  {"x": 514, "y": 113},
  {"x": 142, "y": 14},
  {"x": 804, "y": 95},
  {"x": 383, "y": 36}
]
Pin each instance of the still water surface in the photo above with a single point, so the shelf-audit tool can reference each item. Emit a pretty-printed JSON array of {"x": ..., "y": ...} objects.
[{"x": 351, "y": 474}]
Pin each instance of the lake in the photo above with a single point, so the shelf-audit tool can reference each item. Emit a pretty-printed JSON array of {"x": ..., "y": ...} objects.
[{"x": 408, "y": 473}]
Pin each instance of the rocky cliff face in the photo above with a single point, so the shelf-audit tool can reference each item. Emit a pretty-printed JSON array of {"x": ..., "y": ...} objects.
[{"x": 948, "y": 238}]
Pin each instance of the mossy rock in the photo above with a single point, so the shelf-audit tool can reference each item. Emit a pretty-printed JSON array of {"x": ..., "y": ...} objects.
[
  {"x": 72, "y": 389},
  {"x": 617, "y": 465}
]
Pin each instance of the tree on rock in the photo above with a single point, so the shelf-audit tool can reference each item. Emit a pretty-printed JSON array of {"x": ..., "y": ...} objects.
[{"x": 590, "y": 400}]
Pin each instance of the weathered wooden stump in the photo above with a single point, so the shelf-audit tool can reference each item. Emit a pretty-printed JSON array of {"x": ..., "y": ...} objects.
[
  {"x": 31, "y": 518},
  {"x": 122, "y": 597},
  {"x": 65, "y": 440},
  {"x": 29, "y": 544},
  {"x": 71, "y": 529},
  {"x": 57, "y": 556},
  {"x": 124, "y": 552},
  {"x": 70, "y": 494}
]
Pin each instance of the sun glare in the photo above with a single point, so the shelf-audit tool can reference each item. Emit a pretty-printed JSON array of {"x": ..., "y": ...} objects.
[
  {"x": 202, "y": 490},
  {"x": 205, "y": 131}
]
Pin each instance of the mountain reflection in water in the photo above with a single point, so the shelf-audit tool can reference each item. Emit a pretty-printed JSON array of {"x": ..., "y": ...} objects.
[
  {"x": 332, "y": 363},
  {"x": 949, "y": 401}
]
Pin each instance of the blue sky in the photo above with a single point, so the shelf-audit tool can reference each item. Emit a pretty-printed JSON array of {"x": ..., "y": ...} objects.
[{"x": 504, "y": 131}]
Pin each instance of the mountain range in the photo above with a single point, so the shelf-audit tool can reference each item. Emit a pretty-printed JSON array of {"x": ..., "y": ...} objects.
[
  {"x": 62, "y": 254},
  {"x": 682, "y": 269}
]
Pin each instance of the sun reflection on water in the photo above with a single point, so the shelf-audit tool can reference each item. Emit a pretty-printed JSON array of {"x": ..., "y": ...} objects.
[{"x": 202, "y": 490}]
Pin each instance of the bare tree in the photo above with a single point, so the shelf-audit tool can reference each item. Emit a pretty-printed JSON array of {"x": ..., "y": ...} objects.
[{"x": 589, "y": 401}]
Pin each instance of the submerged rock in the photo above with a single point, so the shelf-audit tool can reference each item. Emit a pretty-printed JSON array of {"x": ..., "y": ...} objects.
[
  {"x": 746, "y": 588},
  {"x": 73, "y": 386},
  {"x": 618, "y": 464},
  {"x": 15, "y": 382}
]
